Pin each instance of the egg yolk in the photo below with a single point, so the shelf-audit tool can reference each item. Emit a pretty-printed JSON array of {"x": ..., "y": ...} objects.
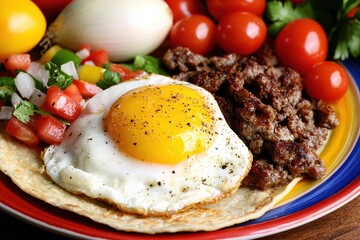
[{"x": 162, "y": 124}]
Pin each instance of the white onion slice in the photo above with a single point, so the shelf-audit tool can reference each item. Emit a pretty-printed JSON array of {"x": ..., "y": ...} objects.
[
  {"x": 6, "y": 112},
  {"x": 89, "y": 62},
  {"x": 25, "y": 84},
  {"x": 70, "y": 69},
  {"x": 38, "y": 72},
  {"x": 37, "y": 98},
  {"x": 83, "y": 53},
  {"x": 15, "y": 99}
]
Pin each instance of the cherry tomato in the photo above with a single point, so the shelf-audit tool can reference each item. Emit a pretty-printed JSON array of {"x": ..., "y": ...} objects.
[
  {"x": 241, "y": 33},
  {"x": 196, "y": 32},
  {"x": 22, "y": 132},
  {"x": 22, "y": 27},
  {"x": 17, "y": 62},
  {"x": 185, "y": 8},
  {"x": 51, "y": 8},
  {"x": 327, "y": 81},
  {"x": 57, "y": 102},
  {"x": 220, "y": 8},
  {"x": 50, "y": 130},
  {"x": 301, "y": 44}
]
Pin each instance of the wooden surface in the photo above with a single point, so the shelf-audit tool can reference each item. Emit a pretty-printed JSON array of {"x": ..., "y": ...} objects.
[{"x": 342, "y": 224}]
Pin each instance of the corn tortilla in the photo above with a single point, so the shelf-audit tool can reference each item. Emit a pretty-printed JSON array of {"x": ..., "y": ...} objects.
[{"x": 26, "y": 169}]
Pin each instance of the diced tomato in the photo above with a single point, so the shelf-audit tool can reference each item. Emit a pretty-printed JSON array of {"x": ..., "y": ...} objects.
[
  {"x": 33, "y": 123},
  {"x": 86, "y": 89},
  {"x": 61, "y": 104},
  {"x": 99, "y": 57},
  {"x": 22, "y": 132},
  {"x": 125, "y": 73},
  {"x": 73, "y": 92},
  {"x": 17, "y": 62},
  {"x": 51, "y": 130}
]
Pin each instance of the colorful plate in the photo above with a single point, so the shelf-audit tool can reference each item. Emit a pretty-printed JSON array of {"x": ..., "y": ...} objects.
[{"x": 307, "y": 202}]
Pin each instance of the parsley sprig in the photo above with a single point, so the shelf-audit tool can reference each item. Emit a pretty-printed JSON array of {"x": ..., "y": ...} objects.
[{"x": 343, "y": 32}]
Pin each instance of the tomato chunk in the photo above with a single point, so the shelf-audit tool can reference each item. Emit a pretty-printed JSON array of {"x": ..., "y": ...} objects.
[
  {"x": 51, "y": 130},
  {"x": 99, "y": 57},
  {"x": 86, "y": 89},
  {"x": 125, "y": 73},
  {"x": 22, "y": 132},
  {"x": 61, "y": 104},
  {"x": 73, "y": 92},
  {"x": 17, "y": 62}
]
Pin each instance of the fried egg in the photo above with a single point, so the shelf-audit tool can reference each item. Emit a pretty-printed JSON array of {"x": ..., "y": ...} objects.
[{"x": 151, "y": 146}]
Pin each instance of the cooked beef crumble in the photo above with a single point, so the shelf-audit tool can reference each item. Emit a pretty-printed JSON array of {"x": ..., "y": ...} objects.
[{"x": 264, "y": 103}]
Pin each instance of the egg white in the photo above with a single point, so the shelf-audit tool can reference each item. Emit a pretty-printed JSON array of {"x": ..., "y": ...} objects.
[{"x": 89, "y": 162}]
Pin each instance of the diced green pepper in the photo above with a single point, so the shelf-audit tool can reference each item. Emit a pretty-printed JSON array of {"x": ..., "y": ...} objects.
[{"x": 64, "y": 56}]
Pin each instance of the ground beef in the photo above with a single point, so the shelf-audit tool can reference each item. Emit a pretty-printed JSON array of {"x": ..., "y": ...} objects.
[{"x": 265, "y": 104}]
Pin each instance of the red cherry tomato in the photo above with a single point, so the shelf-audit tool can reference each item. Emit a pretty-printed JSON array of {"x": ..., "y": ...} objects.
[
  {"x": 196, "y": 32},
  {"x": 51, "y": 8},
  {"x": 301, "y": 44},
  {"x": 327, "y": 81},
  {"x": 185, "y": 8},
  {"x": 22, "y": 132},
  {"x": 220, "y": 8},
  {"x": 241, "y": 32}
]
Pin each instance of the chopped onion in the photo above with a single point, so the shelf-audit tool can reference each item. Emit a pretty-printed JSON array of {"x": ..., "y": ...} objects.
[
  {"x": 83, "y": 53},
  {"x": 25, "y": 84},
  {"x": 37, "y": 98},
  {"x": 6, "y": 112},
  {"x": 89, "y": 63},
  {"x": 70, "y": 69},
  {"x": 15, "y": 99},
  {"x": 37, "y": 71}
]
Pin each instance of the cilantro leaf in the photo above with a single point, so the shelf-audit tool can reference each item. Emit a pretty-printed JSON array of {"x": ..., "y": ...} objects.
[
  {"x": 279, "y": 13},
  {"x": 57, "y": 77},
  {"x": 110, "y": 78},
  {"x": 7, "y": 88},
  {"x": 25, "y": 109},
  {"x": 345, "y": 40},
  {"x": 149, "y": 64},
  {"x": 146, "y": 63}
]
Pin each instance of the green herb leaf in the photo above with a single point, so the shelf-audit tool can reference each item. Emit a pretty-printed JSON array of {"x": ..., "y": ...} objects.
[
  {"x": 7, "y": 88},
  {"x": 345, "y": 40},
  {"x": 279, "y": 13},
  {"x": 148, "y": 64},
  {"x": 57, "y": 77},
  {"x": 25, "y": 109},
  {"x": 110, "y": 78}
]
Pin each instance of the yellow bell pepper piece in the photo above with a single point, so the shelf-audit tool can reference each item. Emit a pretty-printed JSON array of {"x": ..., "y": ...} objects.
[
  {"x": 90, "y": 73},
  {"x": 49, "y": 54}
]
